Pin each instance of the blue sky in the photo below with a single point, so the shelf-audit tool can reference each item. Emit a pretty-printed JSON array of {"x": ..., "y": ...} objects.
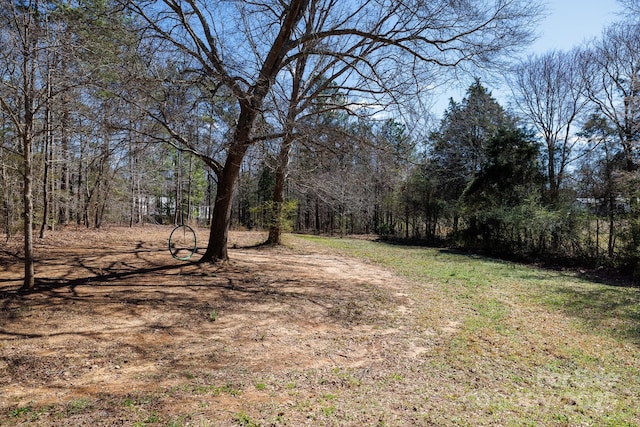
[{"x": 570, "y": 22}]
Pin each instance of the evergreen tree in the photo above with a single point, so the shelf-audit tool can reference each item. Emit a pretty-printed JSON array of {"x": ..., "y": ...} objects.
[
  {"x": 459, "y": 148},
  {"x": 509, "y": 175}
]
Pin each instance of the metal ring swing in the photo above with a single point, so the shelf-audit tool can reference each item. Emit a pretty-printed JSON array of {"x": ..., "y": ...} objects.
[{"x": 182, "y": 242}]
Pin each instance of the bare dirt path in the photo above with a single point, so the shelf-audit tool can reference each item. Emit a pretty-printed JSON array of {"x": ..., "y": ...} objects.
[{"x": 120, "y": 333}]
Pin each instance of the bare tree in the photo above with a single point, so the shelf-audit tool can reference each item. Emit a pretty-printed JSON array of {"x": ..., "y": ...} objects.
[
  {"x": 244, "y": 46},
  {"x": 632, "y": 6},
  {"x": 23, "y": 96},
  {"x": 548, "y": 90},
  {"x": 612, "y": 77},
  {"x": 613, "y": 85}
]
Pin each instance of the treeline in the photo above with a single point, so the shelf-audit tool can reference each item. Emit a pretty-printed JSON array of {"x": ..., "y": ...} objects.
[
  {"x": 480, "y": 181},
  {"x": 554, "y": 180},
  {"x": 103, "y": 123},
  {"x": 78, "y": 142}
]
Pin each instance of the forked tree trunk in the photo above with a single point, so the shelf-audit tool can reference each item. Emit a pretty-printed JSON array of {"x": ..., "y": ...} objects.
[{"x": 250, "y": 104}]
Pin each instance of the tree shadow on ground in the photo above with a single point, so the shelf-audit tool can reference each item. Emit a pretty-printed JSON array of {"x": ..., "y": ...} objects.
[
  {"x": 610, "y": 308},
  {"x": 131, "y": 280}
]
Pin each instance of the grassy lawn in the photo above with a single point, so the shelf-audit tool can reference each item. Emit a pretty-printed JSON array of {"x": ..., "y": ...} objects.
[{"x": 522, "y": 346}]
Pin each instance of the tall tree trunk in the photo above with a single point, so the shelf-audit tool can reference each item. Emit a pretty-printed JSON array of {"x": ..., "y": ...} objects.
[
  {"x": 250, "y": 103},
  {"x": 611, "y": 240},
  {"x": 189, "y": 182},
  {"x": 47, "y": 158},
  {"x": 551, "y": 172},
  {"x": 132, "y": 175},
  {"x": 6, "y": 208},
  {"x": 78, "y": 190},
  {"x": 177, "y": 217},
  {"x": 275, "y": 227},
  {"x": 28, "y": 81},
  {"x": 29, "y": 273},
  {"x": 65, "y": 184},
  {"x": 139, "y": 198},
  {"x": 406, "y": 221},
  {"x": 66, "y": 189}
]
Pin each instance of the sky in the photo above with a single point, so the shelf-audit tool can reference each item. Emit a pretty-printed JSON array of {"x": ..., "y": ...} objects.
[{"x": 570, "y": 22}]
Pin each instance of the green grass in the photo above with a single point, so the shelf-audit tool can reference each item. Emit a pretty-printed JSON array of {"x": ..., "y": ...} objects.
[
  {"x": 78, "y": 405},
  {"x": 245, "y": 420},
  {"x": 469, "y": 279},
  {"x": 21, "y": 411},
  {"x": 524, "y": 345}
]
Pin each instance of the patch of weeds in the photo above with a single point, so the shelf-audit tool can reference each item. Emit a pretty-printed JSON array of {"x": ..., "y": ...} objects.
[
  {"x": 561, "y": 418},
  {"x": 182, "y": 421},
  {"x": 213, "y": 315},
  {"x": 496, "y": 406},
  {"x": 151, "y": 419},
  {"x": 243, "y": 419},
  {"x": 78, "y": 405},
  {"x": 351, "y": 312},
  {"x": 146, "y": 400},
  {"x": 198, "y": 389},
  {"x": 261, "y": 386},
  {"x": 229, "y": 389},
  {"x": 329, "y": 396},
  {"x": 23, "y": 410},
  {"x": 303, "y": 405},
  {"x": 524, "y": 423},
  {"x": 134, "y": 402},
  {"x": 397, "y": 377},
  {"x": 377, "y": 294},
  {"x": 492, "y": 309},
  {"x": 129, "y": 402},
  {"x": 31, "y": 413},
  {"x": 616, "y": 420},
  {"x": 291, "y": 386},
  {"x": 517, "y": 379},
  {"x": 346, "y": 378},
  {"x": 212, "y": 389},
  {"x": 329, "y": 411}
]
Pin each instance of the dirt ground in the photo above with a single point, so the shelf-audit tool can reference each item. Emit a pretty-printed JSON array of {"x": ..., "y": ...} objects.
[{"x": 120, "y": 333}]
